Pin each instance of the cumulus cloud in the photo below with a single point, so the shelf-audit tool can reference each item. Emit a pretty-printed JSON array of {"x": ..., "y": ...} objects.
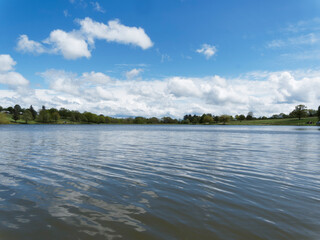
[
  {"x": 6, "y": 63},
  {"x": 207, "y": 50},
  {"x": 264, "y": 93},
  {"x": 75, "y": 44},
  {"x": 25, "y": 45},
  {"x": 96, "y": 77},
  {"x": 70, "y": 45},
  {"x": 8, "y": 76},
  {"x": 114, "y": 31},
  {"x": 133, "y": 73}
]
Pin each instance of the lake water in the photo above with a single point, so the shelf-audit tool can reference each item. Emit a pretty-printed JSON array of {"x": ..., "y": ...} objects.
[{"x": 159, "y": 182}]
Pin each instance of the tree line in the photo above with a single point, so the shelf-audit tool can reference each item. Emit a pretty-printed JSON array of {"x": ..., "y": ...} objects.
[{"x": 53, "y": 115}]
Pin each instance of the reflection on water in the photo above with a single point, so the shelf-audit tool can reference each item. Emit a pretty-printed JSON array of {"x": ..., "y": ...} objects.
[{"x": 159, "y": 182}]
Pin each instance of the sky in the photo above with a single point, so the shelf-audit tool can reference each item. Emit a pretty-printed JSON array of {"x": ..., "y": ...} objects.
[{"x": 161, "y": 58}]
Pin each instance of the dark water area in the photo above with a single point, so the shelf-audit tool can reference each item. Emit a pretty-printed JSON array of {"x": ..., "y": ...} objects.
[{"x": 159, "y": 182}]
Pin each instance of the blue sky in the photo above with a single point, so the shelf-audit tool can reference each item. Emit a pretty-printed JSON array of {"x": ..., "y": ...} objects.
[{"x": 193, "y": 56}]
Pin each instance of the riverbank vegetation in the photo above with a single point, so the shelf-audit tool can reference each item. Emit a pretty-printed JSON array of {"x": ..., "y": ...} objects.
[{"x": 17, "y": 115}]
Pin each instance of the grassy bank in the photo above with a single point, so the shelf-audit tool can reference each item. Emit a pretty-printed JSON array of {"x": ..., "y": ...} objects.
[{"x": 284, "y": 122}]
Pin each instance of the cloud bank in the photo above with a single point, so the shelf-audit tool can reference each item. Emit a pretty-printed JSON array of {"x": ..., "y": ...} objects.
[
  {"x": 79, "y": 43},
  {"x": 263, "y": 93}
]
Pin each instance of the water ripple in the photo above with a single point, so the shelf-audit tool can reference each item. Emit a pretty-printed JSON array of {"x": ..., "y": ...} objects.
[{"x": 159, "y": 182}]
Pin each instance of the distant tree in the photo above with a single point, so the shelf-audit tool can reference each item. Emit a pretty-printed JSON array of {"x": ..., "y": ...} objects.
[
  {"x": 10, "y": 110},
  {"x": 249, "y": 116},
  {"x": 224, "y": 119},
  {"x": 318, "y": 113},
  {"x": 312, "y": 112},
  {"x": 44, "y": 116},
  {"x": 52, "y": 110},
  {"x": 101, "y": 119},
  {"x": 4, "y": 119},
  {"x": 16, "y": 112},
  {"x": 27, "y": 116},
  {"x": 33, "y": 112},
  {"x": 91, "y": 117},
  {"x": 64, "y": 113},
  {"x": 299, "y": 111},
  {"x": 139, "y": 120},
  {"x": 55, "y": 116},
  {"x": 153, "y": 120},
  {"x": 1, "y": 109},
  {"x": 206, "y": 118},
  {"x": 169, "y": 120},
  {"x": 240, "y": 117}
]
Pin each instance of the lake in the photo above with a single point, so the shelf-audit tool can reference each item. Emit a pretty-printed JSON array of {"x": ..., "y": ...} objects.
[{"x": 159, "y": 182}]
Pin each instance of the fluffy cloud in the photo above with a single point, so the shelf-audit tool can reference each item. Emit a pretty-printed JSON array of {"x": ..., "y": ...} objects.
[
  {"x": 9, "y": 77},
  {"x": 74, "y": 44},
  {"x": 263, "y": 93},
  {"x": 26, "y": 45},
  {"x": 96, "y": 77},
  {"x": 133, "y": 73},
  {"x": 207, "y": 50},
  {"x": 115, "y": 32},
  {"x": 6, "y": 63},
  {"x": 70, "y": 45}
]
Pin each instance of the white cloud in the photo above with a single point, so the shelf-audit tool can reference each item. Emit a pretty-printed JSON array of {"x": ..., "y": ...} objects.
[
  {"x": 70, "y": 45},
  {"x": 115, "y": 32},
  {"x": 97, "y": 7},
  {"x": 13, "y": 79},
  {"x": 62, "y": 81},
  {"x": 6, "y": 63},
  {"x": 96, "y": 77},
  {"x": 26, "y": 45},
  {"x": 9, "y": 77},
  {"x": 133, "y": 73},
  {"x": 307, "y": 39},
  {"x": 74, "y": 44},
  {"x": 207, "y": 50},
  {"x": 264, "y": 93}
]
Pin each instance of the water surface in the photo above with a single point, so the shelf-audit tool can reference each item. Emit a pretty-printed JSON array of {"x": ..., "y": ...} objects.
[{"x": 159, "y": 182}]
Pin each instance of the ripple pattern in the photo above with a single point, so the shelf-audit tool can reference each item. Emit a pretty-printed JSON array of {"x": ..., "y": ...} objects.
[{"x": 159, "y": 182}]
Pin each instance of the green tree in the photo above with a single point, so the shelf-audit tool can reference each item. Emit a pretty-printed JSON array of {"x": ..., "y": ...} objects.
[
  {"x": 240, "y": 117},
  {"x": 300, "y": 111},
  {"x": 206, "y": 118},
  {"x": 10, "y": 110},
  {"x": 27, "y": 116},
  {"x": 55, "y": 116},
  {"x": 33, "y": 112},
  {"x": 139, "y": 120},
  {"x": 318, "y": 113},
  {"x": 16, "y": 112},
  {"x": 44, "y": 116},
  {"x": 101, "y": 119},
  {"x": 153, "y": 120},
  {"x": 224, "y": 119},
  {"x": 249, "y": 116}
]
